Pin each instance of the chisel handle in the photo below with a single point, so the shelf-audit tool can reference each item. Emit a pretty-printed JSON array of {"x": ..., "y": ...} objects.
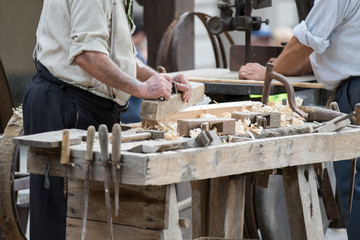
[
  {"x": 65, "y": 147},
  {"x": 104, "y": 142},
  {"x": 116, "y": 143},
  {"x": 90, "y": 143}
]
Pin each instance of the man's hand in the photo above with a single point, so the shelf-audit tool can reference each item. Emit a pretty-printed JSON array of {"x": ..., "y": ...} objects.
[
  {"x": 157, "y": 86},
  {"x": 183, "y": 86},
  {"x": 253, "y": 71}
]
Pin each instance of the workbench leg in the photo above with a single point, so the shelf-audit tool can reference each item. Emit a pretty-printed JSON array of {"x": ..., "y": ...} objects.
[
  {"x": 235, "y": 206},
  {"x": 302, "y": 202},
  {"x": 218, "y": 207},
  {"x": 173, "y": 231},
  {"x": 200, "y": 200},
  {"x": 219, "y": 188}
]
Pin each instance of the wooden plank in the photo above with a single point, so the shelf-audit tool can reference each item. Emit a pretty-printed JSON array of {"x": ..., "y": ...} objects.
[
  {"x": 221, "y": 75},
  {"x": 156, "y": 110},
  {"x": 235, "y": 208},
  {"x": 139, "y": 206},
  {"x": 302, "y": 202},
  {"x": 200, "y": 210},
  {"x": 251, "y": 156},
  {"x": 50, "y": 139},
  {"x": 224, "y": 126},
  {"x": 255, "y": 82},
  {"x": 214, "y": 109},
  {"x": 98, "y": 231},
  {"x": 132, "y": 172}
]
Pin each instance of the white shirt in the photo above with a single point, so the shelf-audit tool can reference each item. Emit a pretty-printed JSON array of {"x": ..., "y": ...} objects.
[
  {"x": 332, "y": 30},
  {"x": 69, "y": 27}
]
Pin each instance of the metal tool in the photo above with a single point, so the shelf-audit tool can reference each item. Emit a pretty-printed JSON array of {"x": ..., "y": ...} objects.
[
  {"x": 242, "y": 21},
  {"x": 88, "y": 158},
  {"x": 115, "y": 160},
  {"x": 269, "y": 76},
  {"x": 337, "y": 123},
  {"x": 65, "y": 157},
  {"x": 104, "y": 158}
]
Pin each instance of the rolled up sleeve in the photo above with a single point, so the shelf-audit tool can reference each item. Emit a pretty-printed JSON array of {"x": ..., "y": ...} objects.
[
  {"x": 303, "y": 34},
  {"x": 324, "y": 17},
  {"x": 90, "y": 21}
]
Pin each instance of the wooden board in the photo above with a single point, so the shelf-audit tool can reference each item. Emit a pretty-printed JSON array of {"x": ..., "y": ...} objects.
[
  {"x": 133, "y": 172},
  {"x": 98, "y": 231},
  {"x": 156, "y": 110},
  {"x": 139, "y": 206},
  {"x": 213, "y": 161},
  {"x": 50, "y": 139},
  {"x": 221, "y": 75}
]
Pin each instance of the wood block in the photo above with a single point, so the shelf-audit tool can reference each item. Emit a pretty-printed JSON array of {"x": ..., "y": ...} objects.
[
  {"x": 224, "y": 126},
  {"x": 272, "y": 118},
  {"x": 156, "y": 110},
  {"x": 138, "y": 206}
]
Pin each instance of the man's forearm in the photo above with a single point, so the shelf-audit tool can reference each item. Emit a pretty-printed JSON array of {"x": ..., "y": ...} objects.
[
  {"x": 101, "y": 67},
  {"x": 294, "y": 60},
  {"x": 143, "y": 72}
]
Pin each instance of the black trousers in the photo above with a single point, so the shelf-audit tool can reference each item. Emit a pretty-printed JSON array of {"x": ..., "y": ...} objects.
[{"x": 50, "y": 104}]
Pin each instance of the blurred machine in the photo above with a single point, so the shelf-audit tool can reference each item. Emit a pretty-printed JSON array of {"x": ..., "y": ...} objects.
[{"x": 242, "y": 21}]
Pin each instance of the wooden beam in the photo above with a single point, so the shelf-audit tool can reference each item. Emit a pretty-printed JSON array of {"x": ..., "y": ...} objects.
[
  {"x": 235, "y": 208},
  {"x": 134, "y": 171},
  {"x": 200, "y": 211},
  {"x": 217, "y": 206},
  {"x": 302, "y": 202},
  {"x": 251, "y": 156}
]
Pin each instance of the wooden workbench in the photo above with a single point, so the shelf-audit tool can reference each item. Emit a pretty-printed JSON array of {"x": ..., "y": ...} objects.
[{"x": 217, "y": 204}]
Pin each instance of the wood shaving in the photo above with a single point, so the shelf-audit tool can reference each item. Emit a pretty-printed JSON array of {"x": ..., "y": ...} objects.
[{"x": 288, "y": 118}]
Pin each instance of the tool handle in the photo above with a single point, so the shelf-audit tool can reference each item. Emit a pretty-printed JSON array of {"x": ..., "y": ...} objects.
[
  {"x": 104, "y": 142},
  {"x": 90, "y": 143},
  {"x": 116, "y": 140},
  {"x": 65, "y": 147},
  {"x": 161, "y": 69}
]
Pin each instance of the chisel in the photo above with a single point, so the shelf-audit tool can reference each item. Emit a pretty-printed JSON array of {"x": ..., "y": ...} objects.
[
  {"x": 89, "y": 159},
  {"x": 115, "y": 160},
  {"x": 104, "y": 158}
]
